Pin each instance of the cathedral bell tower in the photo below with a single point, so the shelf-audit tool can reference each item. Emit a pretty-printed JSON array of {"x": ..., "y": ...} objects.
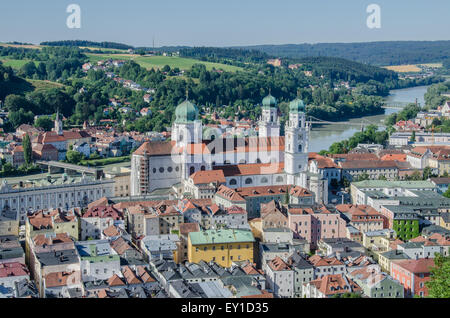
[
  {"x": 296, "y": 144},
  {"x": 269, "y": 124}
]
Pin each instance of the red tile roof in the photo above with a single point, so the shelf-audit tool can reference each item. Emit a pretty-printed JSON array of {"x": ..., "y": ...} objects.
[
  {"x": 13, "y": 269},
  {"x": 416, "y": 266},
  {"x": 335, "y": 284},
  {"x": 103, "y": 212},
  {"x": 277, "y": 264},
  {"x": 209, "y": 176}
]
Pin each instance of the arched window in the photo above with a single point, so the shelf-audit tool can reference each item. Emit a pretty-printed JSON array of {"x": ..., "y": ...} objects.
[
  {"x": 299, "y": 148},
  {"x": 279, "y": 179},
  {"x": 264, "y": 180},
  {"x": 258, "y": 160},
  {"x": 248, "y": 181},
  {"x": 202, "y": 168},
  {"x": 161, "y": 169},
  {"x": 233, "y": 182},
  {"x": 191, "y": 170},
  {"x": 169, "y": 169}
]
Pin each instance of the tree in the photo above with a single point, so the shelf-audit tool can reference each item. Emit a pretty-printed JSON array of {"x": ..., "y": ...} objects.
[
  {"x": 438, "y": 285},
  {"x": 74, "y": 157},
  {"x": 44, "y": 122},
  {"x": 447, "y": 193},
  {"x": 427, "y": 173},
  {"x": 27, "y": 151},
  {"x": 413, "y": 137}
]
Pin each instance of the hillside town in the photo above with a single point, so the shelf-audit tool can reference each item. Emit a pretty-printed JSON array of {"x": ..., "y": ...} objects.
[{"x": 231, "y": 209}]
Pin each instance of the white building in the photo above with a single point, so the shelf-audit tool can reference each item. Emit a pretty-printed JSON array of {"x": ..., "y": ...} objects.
[
  {"x": 98, "y": 261},
  {"x": 280, "y": 278},
  {"x": 157, "y": 165},
  {"x": 50, "y": 193}
]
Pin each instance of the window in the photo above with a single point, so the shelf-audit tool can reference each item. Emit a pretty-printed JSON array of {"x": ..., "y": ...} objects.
[
  {"x": 279, "y": 179},
  {"x": 161, "y": 169},
  {"x": 248, "y": 181},
  {"x": 233, "y": 182}
]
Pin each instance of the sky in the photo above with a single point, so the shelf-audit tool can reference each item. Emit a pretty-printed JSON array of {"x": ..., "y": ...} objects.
[{"x": 223, "y": 22}]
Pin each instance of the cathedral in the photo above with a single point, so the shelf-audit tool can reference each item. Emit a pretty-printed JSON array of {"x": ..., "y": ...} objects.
[{"x": 264, "y": 160}]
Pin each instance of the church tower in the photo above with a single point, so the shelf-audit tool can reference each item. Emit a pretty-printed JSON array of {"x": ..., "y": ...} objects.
[
  {"x": 296, "y": 144},
  {"x": 58, "y": 124},
  {"x": 186, "y": 129},
  {"x": 269, "y": 124}
]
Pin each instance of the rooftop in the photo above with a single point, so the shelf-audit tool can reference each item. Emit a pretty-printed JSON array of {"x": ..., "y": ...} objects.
[{"x": 221, "y": 236}]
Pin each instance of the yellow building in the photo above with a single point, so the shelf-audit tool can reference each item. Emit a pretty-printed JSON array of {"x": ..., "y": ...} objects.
[
  {"x": 385, "y": 259},
  {"x": 121, "y": 177},
  {"x": 9, "y": 223},
  {"x": 444, "y": 220},
  {"x": 378, "y": 240},
  {"x": 221, "y": 246}
]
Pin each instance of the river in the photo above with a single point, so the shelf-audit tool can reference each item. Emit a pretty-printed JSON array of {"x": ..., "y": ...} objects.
[{"x": 323, "y": 136}]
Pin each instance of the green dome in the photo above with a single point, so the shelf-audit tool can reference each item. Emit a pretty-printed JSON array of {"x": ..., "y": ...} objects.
[
  {"x": 297, "y": 106},
  {"x": 269, "y": 101},
  {"x": 186, "y": 112}
]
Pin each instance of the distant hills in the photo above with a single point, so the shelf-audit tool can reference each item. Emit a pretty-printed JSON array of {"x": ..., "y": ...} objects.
[{"x": 375, "y": 53}]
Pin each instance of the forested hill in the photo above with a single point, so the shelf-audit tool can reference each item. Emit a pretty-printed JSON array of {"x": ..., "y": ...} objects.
[
  {"x": 104, "y": 45},
  {"x": 375, "y": 53}
]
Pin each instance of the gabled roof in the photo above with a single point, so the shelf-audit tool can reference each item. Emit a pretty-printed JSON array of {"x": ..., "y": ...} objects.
[
  {"x": 59, "y": 279},
  {"x": 115, "y": 280},
  {"x": 416, "y": 266},
  {"x": 317, "y": 261},
  {"x": 208, "y": 176},
  {"x": 335, "y": 284},
  {"x": 103, "y": 212},
  {"x": 155, "y": 148},
  {"x": 277, "y": 264},
  {"x": 130, "y": 276}
]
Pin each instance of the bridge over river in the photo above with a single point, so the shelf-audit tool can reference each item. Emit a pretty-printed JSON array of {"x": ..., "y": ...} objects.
[{"x": 57, "y": 165}]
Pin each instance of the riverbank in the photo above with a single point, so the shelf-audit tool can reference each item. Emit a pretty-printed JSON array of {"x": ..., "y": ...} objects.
[{"x": 324, "y": 135}]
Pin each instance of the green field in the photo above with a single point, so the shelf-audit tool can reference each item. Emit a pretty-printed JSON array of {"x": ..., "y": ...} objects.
[
  {"x": 160, "y": 61},
  {"x": 16, "y": 64},
  {"x": 43, "y": 85}
]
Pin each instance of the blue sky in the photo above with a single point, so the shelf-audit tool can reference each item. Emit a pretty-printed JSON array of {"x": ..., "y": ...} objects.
[{"x": 224, "y": 22}]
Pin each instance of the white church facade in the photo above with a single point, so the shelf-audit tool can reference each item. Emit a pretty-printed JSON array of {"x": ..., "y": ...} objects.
[{"x": 263, "y": 160}]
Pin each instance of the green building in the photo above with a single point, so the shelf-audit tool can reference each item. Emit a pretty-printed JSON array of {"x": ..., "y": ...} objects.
[
  {"x": 376, "y": 284},
  {"x": 406, "y": 225}
]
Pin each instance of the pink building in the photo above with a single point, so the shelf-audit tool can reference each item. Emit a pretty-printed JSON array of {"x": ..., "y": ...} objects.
[{"x": 314, "y": 224}]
